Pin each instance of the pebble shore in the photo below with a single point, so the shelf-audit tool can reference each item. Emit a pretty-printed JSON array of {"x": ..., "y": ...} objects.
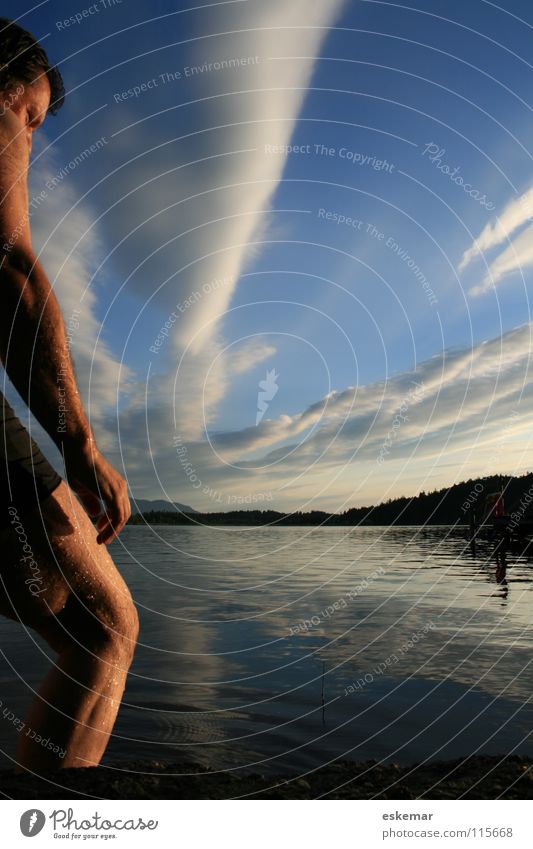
[{"x": 470, "y": 778}]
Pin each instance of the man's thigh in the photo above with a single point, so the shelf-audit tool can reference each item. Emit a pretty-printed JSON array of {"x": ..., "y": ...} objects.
[{"x": 50, "y": 557}]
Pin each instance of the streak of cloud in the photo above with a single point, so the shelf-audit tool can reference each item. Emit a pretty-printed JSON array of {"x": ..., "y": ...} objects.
[
  {"x": 515, "y": 258},
  {"x": 461, "y": 403},
  {"x": 517, "y": 213}
]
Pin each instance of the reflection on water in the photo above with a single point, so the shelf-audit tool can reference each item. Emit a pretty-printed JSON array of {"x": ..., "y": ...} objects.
[{"x": 286, "y": 647}]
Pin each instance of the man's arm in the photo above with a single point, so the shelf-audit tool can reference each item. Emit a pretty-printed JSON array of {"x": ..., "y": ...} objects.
[
  {"x": 34, "y": 349},
  {"x": 35, "y": 353}
]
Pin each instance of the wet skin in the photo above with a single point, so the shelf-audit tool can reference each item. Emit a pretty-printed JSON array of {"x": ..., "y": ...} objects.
[{"x": 80, "y": 604}]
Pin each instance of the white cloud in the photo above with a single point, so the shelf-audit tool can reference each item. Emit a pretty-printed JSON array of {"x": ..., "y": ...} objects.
[
  {"x": 518, "y": 254},
  {"x": 266, "y": 115},
  {"x": 515, "y": 258},
  {"x": 515, "y": 215},
  {"x": 249, "y": 355},
  {"x": 473, "y": 405},
  {"x": 187, "y": 224}
]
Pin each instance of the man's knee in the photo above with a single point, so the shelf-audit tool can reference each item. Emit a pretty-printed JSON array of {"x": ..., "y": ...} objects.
[
  {"x": 130, "y": 633},
  {"x": 118, "y": 628},
  {"x": 112, "y": 626}
]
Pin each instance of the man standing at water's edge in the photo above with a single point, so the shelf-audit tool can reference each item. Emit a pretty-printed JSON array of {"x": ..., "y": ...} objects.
[{"x": 57, "y": 576}]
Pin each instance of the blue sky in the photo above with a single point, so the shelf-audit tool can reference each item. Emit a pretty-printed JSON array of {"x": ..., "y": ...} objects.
[{"x": 336, "y": 193}]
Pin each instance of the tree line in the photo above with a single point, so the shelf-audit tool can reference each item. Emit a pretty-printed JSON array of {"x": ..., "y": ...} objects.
[{"x": 448, "y": 506}]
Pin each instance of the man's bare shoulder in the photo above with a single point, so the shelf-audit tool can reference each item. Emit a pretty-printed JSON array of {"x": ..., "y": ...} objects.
[
  {"x": 14, "y": 163},
  {"x": 14, "y": 150}
]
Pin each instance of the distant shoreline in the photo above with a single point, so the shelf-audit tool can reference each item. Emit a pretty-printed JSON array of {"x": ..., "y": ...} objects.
[
  {"x": 452, "y": 506},
  {"x": 291, "y": 524}
]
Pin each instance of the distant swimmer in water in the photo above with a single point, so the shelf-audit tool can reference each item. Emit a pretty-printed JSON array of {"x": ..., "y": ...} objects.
[{"x": 57, "y": 576}]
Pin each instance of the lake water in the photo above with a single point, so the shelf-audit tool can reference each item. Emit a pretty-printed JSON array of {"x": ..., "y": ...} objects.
[{"x": 274, "y": 649}]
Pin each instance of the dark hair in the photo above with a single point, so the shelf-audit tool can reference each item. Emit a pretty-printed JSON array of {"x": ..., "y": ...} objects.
[{"x": 22, "y": 59}]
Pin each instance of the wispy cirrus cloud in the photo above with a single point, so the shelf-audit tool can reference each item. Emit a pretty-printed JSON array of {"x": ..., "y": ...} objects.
[
  {"x": 517, "y": 213},
  {"x": 510, "y": 227},
  {"x": 515, "y": 258},
  {"x": 250, "y": 354}
]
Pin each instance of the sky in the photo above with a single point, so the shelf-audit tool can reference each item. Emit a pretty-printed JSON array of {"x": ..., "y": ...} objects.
[{"x": 292, "y": 242}]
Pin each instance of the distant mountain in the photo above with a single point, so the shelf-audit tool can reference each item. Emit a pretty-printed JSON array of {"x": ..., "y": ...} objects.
[{"x": 143, "y": 505}]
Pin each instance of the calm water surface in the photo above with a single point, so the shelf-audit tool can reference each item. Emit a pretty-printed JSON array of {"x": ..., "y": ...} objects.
[{"x": 282, "y": 648}]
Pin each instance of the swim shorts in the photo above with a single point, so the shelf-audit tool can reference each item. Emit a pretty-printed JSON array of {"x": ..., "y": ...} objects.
[{"x": 26, "y": 476}]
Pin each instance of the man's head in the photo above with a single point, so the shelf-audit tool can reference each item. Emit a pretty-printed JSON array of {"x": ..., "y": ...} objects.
[
  {"x": 30, "y": 87},
  {"x": 23, "y": 62}
]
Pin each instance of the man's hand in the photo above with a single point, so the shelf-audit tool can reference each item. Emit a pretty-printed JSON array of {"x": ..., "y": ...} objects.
[{"x": 95, "y": 481}]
